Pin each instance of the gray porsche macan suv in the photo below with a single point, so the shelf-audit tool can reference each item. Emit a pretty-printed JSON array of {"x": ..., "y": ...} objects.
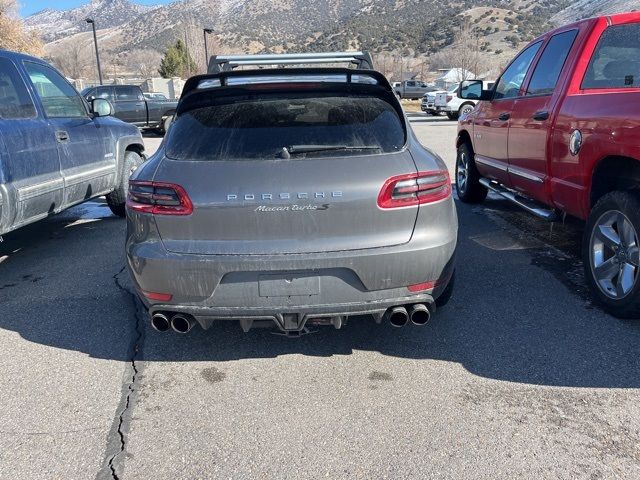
[{"x": 290, "y": 197}]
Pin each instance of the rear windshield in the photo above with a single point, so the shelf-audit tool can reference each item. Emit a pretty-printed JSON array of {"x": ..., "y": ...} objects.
[{"x": 271, "y": 127}]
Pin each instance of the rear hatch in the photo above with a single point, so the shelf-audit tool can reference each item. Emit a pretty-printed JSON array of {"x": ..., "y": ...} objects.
[{"x": 292, "y": 168}]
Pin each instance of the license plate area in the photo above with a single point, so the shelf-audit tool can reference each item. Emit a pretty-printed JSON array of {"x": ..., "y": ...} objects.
[{"x": 288, "y": 285}]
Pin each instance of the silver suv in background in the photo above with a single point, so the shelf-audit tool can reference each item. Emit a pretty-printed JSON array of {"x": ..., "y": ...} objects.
[
  {"x": 290, "y": 197},
  {"x": 455, "y": 107}
]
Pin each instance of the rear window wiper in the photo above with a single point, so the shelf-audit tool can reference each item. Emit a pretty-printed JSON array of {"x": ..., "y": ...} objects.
[{"x": 294, "y": 149}]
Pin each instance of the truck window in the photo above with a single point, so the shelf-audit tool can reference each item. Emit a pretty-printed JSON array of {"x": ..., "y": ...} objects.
[
  {"x": 616, "y": 59},
  {"x": 512, "y": 78},
  {"x": 128, "y": 94},
  {"x": 104, "y": 92},
  {"x": 15, "y": 102},
  {"x": 58, "y": 98},
  {"x": 547, "y": 71}
]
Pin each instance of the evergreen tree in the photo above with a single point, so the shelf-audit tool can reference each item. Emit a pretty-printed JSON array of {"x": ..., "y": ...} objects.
[{"x": 177, "y": 62}]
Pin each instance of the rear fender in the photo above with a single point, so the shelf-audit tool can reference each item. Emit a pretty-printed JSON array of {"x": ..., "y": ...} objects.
[{"x": 6, "y": 193}]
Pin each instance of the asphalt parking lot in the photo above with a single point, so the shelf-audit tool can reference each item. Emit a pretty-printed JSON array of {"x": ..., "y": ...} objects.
[{"x": 520, "y": 376}]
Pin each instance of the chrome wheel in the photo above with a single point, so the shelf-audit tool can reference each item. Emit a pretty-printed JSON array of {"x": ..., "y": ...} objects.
[
  {"x": 614, "y": 254},
  {"x": 462, "y": 172},
  {"x": 466, "y": 110}
]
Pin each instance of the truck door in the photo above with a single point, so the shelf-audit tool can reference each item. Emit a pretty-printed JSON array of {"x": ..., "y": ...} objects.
[
  {"x": 130, "y": 105},
  {"x": 491, "y": 122},
  {"x": 88, "y": 167},
  {"x": 410, "y": 89},
  {"x": 31, "y": 169},
  {"x": 532, "y": 118}
]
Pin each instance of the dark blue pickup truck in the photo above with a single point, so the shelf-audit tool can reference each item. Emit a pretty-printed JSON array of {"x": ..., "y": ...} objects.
[{"x": 57, "y": 150}]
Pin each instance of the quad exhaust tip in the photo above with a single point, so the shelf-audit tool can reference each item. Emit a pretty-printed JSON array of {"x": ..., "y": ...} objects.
[
  {"x": 160, "y": 322},
  {"x": 398, "y": 317},
  {"x": 419, "y": 314},
  {"x": 182, "y": 323}
]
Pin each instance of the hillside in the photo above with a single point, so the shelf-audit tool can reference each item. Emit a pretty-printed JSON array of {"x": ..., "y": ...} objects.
[
  {"x": 400, "y": 27},
  {"x": 53, "y": 24}
]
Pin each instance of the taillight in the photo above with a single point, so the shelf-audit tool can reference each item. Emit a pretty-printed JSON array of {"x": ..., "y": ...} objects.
[
  {"x": 415, "y": 189},
  {"x": 158, "y": 198},
  {"x": 449, "y": 98}
]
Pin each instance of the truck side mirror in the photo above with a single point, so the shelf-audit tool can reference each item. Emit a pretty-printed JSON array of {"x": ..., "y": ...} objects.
[
  {"x": 101, "y": 107},
  {"x": 472, "y": 90}
]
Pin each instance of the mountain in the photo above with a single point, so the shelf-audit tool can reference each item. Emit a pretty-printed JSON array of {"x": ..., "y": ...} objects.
[
  {"x": 590, "y": 8},
  {"x": 407, "y": 27},
  {"x": 54, "y": 24}
]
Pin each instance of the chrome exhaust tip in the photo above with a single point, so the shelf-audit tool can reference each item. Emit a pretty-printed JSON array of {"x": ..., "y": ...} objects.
[
  {"x": 182, "y": 323},
  {"x": 160, "y": 322},
  {"x": 419, "y": 314},
  {"x": 398, "y": 316}
]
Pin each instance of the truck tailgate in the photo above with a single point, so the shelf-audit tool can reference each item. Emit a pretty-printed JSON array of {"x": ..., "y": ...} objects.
[{"x": 441, "y": 99}]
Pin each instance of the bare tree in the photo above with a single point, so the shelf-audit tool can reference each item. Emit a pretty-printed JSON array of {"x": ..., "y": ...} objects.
[
  {"x": 143, "y": 62},
  {"x": 75, "y": 61},
  {"x": 464, "y": 54},
  {"x": 113, "y": 66},
  {"x": 13, "y": 35}
]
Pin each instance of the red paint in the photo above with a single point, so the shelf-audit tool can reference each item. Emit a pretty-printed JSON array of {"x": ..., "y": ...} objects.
[{"x": 609, "y": 120}]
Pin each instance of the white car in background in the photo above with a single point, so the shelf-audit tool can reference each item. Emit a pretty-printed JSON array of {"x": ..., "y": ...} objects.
[
  {"x": 428, "y": 104},
  {"x": 452, "y": 105}
]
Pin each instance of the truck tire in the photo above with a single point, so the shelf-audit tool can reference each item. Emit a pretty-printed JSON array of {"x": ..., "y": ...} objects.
[
  {"x": 452, "y": 115},
  {"x": 166, "y": 124},
  {"x": 611, "y": 253},
  {"x": 468, "y": 185},
  {"x": 118, "y": 198}
]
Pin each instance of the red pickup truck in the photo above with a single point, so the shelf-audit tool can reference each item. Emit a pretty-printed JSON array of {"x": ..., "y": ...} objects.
[{"x": 560, "y": 134}]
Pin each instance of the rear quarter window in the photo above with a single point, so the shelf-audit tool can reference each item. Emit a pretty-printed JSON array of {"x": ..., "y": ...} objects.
[
  {"x": 253, "y": 128},
  {"x": 616, "y": 59}
]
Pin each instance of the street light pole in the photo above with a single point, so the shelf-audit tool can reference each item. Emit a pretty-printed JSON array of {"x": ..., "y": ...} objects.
[
  {"x": 95, "y": 42},
  {"x": 206, "y": 31}
]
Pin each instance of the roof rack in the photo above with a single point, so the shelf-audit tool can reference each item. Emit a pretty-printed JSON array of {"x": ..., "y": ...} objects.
[{"x": 225, "y": 63}]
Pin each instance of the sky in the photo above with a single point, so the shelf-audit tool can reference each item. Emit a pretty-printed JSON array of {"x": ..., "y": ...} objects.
[{"x": 27, "y": 7}]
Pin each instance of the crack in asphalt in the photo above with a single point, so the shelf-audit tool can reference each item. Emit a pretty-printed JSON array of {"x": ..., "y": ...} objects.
[{"x": 116, "y": 439}]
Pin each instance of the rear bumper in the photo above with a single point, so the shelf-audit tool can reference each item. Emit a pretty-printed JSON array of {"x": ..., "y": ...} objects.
[
  {"x": 234, "y": 287},
  {"x": 294, "y": 317}
]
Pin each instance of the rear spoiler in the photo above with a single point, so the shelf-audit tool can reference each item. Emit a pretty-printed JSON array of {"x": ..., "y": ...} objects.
[
  {"x": 225, "y": 63},
  {"x": 324, "y": 76}
]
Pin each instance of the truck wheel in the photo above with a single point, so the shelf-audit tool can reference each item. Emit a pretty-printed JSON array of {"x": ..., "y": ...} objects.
[
  {"x": 452, "y": 115},
  {"x": 118, "y": 198},
  {"x": 465, "y": 109},
  {"x": 611, "y": 253},
  {"x": 166, "y": 124},
  {"x": 468, "y": 185}
]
